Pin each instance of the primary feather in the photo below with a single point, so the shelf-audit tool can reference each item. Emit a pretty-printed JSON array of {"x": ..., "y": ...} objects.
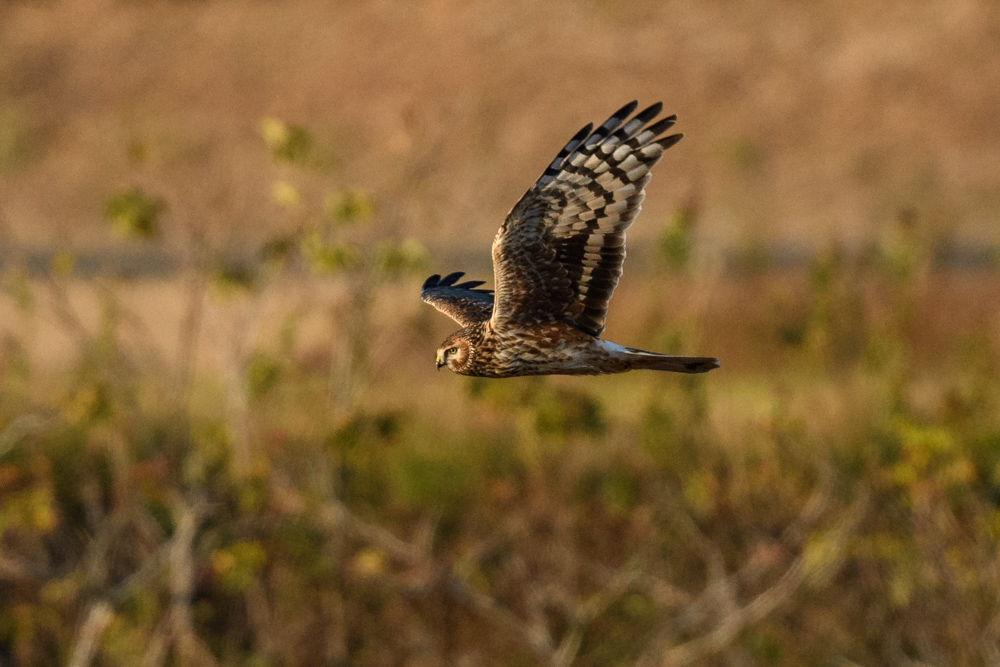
[
  {"x": 461, "y": 302},
  {"x": 560, "y": 252},
  {"x": 557, "y": 260}
]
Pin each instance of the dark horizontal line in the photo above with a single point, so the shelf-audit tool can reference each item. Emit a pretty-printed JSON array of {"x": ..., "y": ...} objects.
[{"x": 153, "y": 263}]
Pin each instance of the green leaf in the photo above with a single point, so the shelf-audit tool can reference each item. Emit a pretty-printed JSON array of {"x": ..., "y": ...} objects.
[
  {"x": 285, "y": 194},
  {"x": 393, "y": 258},
  {"x": 263, "y": 373},
  {"x": 349, "y": 206},
  {"x": 238, "y": 565},
  {"x": 676, "y": 240},
  {"x": 234, "y": 276},
  {"x": 17, "y": 284},
  {"x": 287, "y": 143},
  {"x": 134, "y": 213},
  {"x": 326, "y": 257}
]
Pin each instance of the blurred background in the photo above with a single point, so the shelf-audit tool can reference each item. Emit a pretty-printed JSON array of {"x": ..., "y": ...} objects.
[{"x": 222, "y": 438}]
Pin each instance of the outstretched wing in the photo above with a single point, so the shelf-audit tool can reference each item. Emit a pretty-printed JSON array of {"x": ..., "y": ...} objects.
[
  {"x": 461, "y": 302},
  {"x": 559, "y": 253}
]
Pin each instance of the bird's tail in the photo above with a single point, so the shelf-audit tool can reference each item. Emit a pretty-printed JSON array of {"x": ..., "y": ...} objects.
[{"x": 639, "y": 359}]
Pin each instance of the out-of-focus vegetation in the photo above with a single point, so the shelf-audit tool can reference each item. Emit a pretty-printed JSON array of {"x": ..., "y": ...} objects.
[
  {"x": 222, "y": 440},
  {"x": 327, "y": 499},
  {"x": 805, "y": 122}
]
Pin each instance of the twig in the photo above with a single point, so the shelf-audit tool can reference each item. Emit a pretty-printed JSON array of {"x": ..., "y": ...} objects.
[
  {"x": 799, "y": 573},
  {"x": 335, "y": 515},
  {"x": 813, "y": 510},
  {"x": 19, "y": 428},
  {"x": 194, "y": 308},
  {"x": 95, "y": 559},
  {"x": 585, "y": 613},
  {"x": 719, "y": 589},
  {"x": 150, "y": 567},
  {"x": 66, "y": 314},
  {"x": 156, "y": 647},
  {"x": 539, "y": 642},
  {"x": 99, "y": 616},
  {"x": 664, "y": 594},
  {"x": 17, "y": 570},
  {"x": 189, "y": 646},
  {"x": 534, "y": 601}
]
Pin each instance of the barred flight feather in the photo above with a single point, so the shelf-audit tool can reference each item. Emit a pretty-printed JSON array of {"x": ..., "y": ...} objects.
[
  {"x": 579, "y": 209},
  {"x": 557, "y": 260}
]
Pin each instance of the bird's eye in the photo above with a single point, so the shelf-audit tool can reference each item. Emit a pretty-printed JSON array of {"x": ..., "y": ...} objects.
[{"x": 452, "y": 350}]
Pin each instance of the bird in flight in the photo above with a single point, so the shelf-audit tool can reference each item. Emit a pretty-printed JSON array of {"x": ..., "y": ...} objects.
[{"x": 556, "y": 262}]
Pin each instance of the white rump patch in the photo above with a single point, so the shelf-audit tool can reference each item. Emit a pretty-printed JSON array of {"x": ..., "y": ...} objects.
[{"x": 613, "y": 348}]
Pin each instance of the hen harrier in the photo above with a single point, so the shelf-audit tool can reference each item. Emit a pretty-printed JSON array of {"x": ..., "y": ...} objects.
[{"x": 556, "y": 262}]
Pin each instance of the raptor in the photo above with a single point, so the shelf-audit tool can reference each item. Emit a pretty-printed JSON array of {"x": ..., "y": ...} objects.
[{"x": 556, "y": 262}]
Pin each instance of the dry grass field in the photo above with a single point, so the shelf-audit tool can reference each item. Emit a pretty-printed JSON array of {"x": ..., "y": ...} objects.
[{"x": 222, "y": 438}]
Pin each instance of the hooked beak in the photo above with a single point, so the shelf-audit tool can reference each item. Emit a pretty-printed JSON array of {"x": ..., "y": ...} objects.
[{"x": 439, "y": 361}]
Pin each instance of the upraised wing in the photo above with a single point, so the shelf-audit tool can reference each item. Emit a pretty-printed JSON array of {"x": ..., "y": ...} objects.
[
  {"x": 461, "y": 302},
  {"x": 559, "y": 253}
]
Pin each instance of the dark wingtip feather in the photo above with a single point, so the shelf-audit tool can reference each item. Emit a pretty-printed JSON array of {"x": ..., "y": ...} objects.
[
  {"x": 616, "y": 119},
  {"x": 662, "y": 125},
  {"x": 451, "y": 278},
  {"x": 667, "y": 142},
  {"x": 626, "y": 110},
  {"x": 649, "y": 113},
  {"x": 450, "y": 281},
  {"x": 471, "y": 285},
  {"x": 582, "y": 134}
]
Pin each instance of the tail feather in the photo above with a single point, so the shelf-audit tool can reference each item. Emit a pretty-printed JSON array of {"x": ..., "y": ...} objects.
[{"x": 640, "y": 359}]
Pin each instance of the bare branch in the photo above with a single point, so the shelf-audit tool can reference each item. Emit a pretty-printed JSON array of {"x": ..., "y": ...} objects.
[
  {"x": 20, "y": 428},
  {"x": 99, "y": 616},
  {"x": 813, "y": 510},
  {"x": 584, "y": 614},
  {"x": 488, "y": 608},
  {"x": 719, "y": 590},
  {"x": 66, "y": 314},
  {"x": 191, "y": 323},
  {"x": 335, "y": 515},
  {"x": 534, "y": 601},
  {"x": 484, "y": 605},
  {"x": 664, "y": 594},
  {"x": 191, "y": 649},
  {"x": 17, "y": 570},
  {"x": 800, "y": 573},
  {"x": 156, "y": 648}
]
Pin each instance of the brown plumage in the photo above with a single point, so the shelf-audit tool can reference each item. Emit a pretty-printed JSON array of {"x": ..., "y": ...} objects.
[{"x": 556, "y": 262}]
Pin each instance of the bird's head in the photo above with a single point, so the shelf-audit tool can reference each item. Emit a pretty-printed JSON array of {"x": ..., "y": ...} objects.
[{"x": 454, "y": 353}]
